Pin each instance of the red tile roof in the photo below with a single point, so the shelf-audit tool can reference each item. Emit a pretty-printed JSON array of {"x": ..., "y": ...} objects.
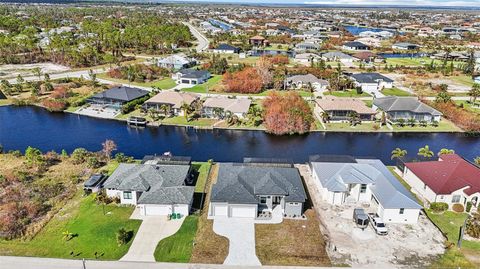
[{"x": 450, "y": 173}]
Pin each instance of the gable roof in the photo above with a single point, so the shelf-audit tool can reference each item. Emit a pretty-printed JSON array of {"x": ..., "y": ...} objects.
[
  {"x": 176, "y": 99},
  {"x": 237, "y": 105},
  {"x": 450, "y": 173},
  {"x": 370, "y": 78},
  {"x": 193, "y": 73},
  {"x": 241, "y": 183},
  {"x": 396, "y": 103},
  {"x": 389, "y": 192},
  {"x": 176, "y": 59},
  {"x": 335, "y": 104},
  {"x": 308, "y": 78},
  {"x": 355, "y": 44},
  {"x": 336, "y": 54},
  {"x": 124, "y": 94},
  {"x": 159, "y": 184}
]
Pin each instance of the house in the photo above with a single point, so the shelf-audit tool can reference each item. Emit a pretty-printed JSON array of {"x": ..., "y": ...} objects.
[
  {"x": 355, "y": 45},
  {"x": 191, "y": 76},
  {"x": 450, "y": 179},
  {"x": 405, "y": 46},
  {"x": 367, "y": 57},
  {"x": 217, "y": 107},
  {"x": 117, "y": 96},
  {"x": 337, "y": 56},
  {"x": 346, "y": 180},
  {"x": 155, "y": 188},
  {"x": 372, "y": 82},
  {"x": 244, "y": 190},
  {"x": 370, "y": 41},
  {"x": 258, "y": 41},
  {"x": 341, "y": 109},
  {"x": 304, "y": 81},
  {"x": 307, "y": 46},
  {"x": 176, "y": 61},
  {"x": 306, "y": 58},
  {"x": 171, "y": 102},
  {"x": 406, "y": 108},
  {"x": 225, "y": 48}
]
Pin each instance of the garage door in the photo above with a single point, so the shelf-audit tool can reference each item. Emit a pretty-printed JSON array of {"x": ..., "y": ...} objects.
[
  {"x": 182, "y": 209},
  {"x": 220, "y": 210},
  {"x": 157, "y": 210},
  {"x": 242, "y": 212}
]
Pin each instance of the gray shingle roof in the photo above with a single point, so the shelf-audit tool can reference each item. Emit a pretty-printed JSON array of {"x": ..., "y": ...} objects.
[
  {"x": 395, "y": 103},
  {"x": 192, "y": 73},
  {"x": 370, "y": 77},
  {"x": 240, "y": 183},
  {"x": 159, "y": 184},
  {"x": 386, "y": 188},
  {"x": 122, "y": 93}
]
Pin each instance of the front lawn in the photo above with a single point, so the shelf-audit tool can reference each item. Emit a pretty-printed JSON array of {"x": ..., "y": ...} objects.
[
  {"x": 178, "y": 247},
  {"x": 349, "y": 93},
  {"x": 395, "y": 92},
  {"x": 443, "y": 126},
  {"x": 94, "y": 233},
  {"x": 292, "y": 242},
  {"x": 202, "y": 88}
]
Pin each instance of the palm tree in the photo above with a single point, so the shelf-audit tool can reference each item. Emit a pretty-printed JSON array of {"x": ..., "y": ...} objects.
[
  {"x": 165, "y": 109},
  {"x": 353, "y": 118},
  {"x": 185, "y": 108},
  {"x": 446, "y": 151},
  {"x": 325, "y": 117},
  {"x": 411, "y": 122},
  {"x": 474, "y": 93},
  {"x": 425, "y": 152},
  {"x": 218, "y": 112},
  {"x": 398, "y": 153},
  {"x": 477, "y": 160}
]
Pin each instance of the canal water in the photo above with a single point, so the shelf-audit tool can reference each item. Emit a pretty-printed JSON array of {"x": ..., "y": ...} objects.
[{"x": 21, "y": 127}]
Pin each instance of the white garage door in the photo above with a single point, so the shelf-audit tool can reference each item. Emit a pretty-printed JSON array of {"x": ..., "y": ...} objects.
[
  {"x": 242, "y": 212},
  {"x": 220, "y": 210},
  {"x": 157, "y": 210},
  {"x": 182, "y": 209}
]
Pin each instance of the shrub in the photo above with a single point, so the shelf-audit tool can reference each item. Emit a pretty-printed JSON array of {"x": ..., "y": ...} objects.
[
  {"x": 245, "y": 81},
  {"x": 438, "y": 207},
  {"x": 54, "y": 105},
  {"x": 469, "y": 206},
  {"x": 123, "y": 236},
  {"x": 473, "y": 226},
  {"x": 458, "y": 208}
]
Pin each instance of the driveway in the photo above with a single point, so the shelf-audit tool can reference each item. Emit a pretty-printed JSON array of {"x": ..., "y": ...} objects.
[
  {"x": 152, "y": 230},
  {"x": 241, "y": 235}
]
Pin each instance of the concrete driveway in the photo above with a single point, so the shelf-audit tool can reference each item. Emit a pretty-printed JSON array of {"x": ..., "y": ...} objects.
[
  {"x": 241, "y": 235},
  {"x": 152, "y": 230}
]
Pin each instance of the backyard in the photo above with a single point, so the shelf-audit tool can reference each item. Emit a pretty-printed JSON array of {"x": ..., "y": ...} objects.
[
  {"x": 164, "y": 84},
  {"x": 395, "y": 92},
  {"x": 348, "y": 93},
  {"x": 93, "y": 232}
]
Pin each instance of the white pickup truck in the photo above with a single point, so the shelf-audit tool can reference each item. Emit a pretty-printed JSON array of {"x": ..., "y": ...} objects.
[{"x": 378, "y": 224}]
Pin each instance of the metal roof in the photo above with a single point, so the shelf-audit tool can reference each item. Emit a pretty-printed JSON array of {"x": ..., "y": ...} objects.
[{"x": 396, "y": 103}]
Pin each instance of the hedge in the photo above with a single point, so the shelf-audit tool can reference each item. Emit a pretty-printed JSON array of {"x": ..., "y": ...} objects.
[{"x": 438, "y": 207}]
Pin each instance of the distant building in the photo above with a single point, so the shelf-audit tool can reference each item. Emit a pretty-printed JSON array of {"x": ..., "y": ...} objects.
[
  {"x": 337, "y": 56},
  {"x": 218, "y": 107},
  {"x": 406, "y": 108},
  {"x": 225, "y": 48},
  {"x": 258, "y": 41},
  {"x": 173, "y": 101},
  {"x": 372, "y": 82},
  {"x": 354, "y": 45},
  {"x": 176, "y": 61},
  {"x": 341, "y": 109},
  {"x": 117, "y": 96},
  {"x": 405, "y": 46},
  {"x": 303, "y": 81},
  {"x": 191, "y": 76}
]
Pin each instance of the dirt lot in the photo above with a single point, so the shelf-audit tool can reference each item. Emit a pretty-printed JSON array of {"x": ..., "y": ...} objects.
[
  {"x": 405, "y": 245},
  {"x": 13, "y": 70}
]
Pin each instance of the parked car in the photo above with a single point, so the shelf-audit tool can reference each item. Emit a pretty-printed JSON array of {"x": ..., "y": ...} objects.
[
  {"x": 360, "y": 218},
  {"x": 378, "y": 225}
]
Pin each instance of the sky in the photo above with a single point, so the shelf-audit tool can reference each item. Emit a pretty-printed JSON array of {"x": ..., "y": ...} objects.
[{"x": 434, "y": 3}]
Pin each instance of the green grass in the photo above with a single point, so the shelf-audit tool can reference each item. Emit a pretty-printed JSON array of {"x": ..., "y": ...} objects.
[
  {"x": 5, "y": 102},
  {"x": 180, "y": 120},
  {"x": 468, "y": 106},
  {"x": 178, "y": 247},
  {"x": 202, "y": 88},
  {"x": 202, "y": 168},
  {"x": 165, "y": 83},
  {"x": 349, "y": 93},
  {"x": 449, "y": 223},
  {"x": 368, "y": 103},
  {"x": 345, "y": 126},
  {"x": 404, "y": 183},
  {"x": 416, "y": 62},
  {"x": 443, "y": 126},
  {"x": 96, "y": 233},
  {"x": 395, "y": 92},
  {"x": 452, "y": 258},
  {"x": 279, "y": 47}
]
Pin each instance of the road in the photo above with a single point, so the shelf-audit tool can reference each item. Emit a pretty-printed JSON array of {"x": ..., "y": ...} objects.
[
  {"x": 7, "y": 262},
  {"x": 68, "y": 74},
  {"x": 202, "y": 40}
]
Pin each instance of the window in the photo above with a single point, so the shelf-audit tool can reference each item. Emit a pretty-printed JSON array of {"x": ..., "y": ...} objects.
[
  {"x": 456, "y": 198},
  {"x": 401, "y": 211},
  {"x": 363, "y": 188},
  {"x": 424, "y": 186},
  {"x": 263, "y": 200},
  {"x": 127, "y": 195}
]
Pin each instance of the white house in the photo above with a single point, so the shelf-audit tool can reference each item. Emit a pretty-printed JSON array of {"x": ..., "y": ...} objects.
[
  {"x": 191, "y": 76},
  {"x": 155, "y": 188},
  {"x": 345, "y": 180},
  {"x": 451, "y": 180},
  {"x": 372, "y": 82},
  {"x": 304, "y": 81},
  {"x": 237, "y": 106}
]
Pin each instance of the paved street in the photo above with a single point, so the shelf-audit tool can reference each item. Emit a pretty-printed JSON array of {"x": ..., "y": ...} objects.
[
  {"x": 202, "y": 40},
  {"x": 241, "y": 236},
  {"x": 152, "y": 230}
]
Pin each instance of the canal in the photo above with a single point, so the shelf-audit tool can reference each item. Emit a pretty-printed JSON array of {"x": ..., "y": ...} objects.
[{"x": 21, "y": 127}]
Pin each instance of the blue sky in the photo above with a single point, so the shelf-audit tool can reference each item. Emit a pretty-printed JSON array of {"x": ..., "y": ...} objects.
[{"x": 471, "y": 3}]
